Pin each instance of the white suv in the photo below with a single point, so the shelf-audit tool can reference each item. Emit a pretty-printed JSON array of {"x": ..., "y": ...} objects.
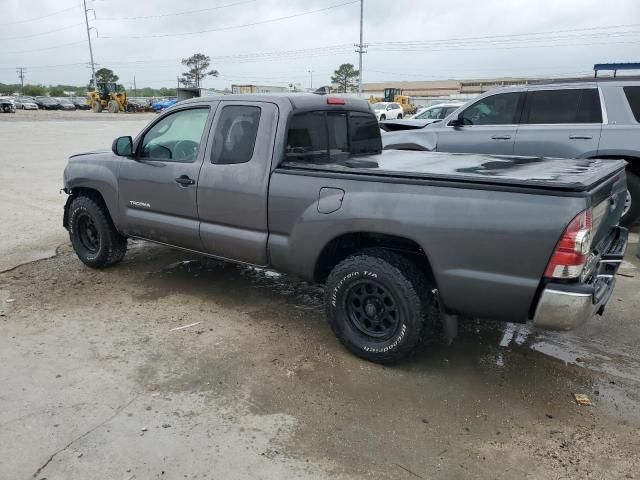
[{"x": 387, "y": 111}]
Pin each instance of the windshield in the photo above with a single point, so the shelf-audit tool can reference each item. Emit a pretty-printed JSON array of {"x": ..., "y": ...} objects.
[
  {"x": 379, "y": 106},
  {"x": 430, "y": 113}
]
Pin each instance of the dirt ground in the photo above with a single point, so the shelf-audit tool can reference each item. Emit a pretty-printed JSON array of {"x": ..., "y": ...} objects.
[{"x": 96, "y": 382}]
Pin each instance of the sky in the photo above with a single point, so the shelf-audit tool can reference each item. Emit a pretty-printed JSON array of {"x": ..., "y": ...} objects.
[{"x": 277, "y": 42}]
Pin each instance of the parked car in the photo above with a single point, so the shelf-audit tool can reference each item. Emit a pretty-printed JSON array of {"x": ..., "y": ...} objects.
[
  {"x": 65, "y": 104},
  {"x": 427, "y": 116},
  {"x": 299, "y": 183},
  {"x": 387, "y": 110},
  {"x": 568, "y": 120},
  {"x": 163, "y": 104},
  {"x": 47, "y": 103},
  {"x": 25, "y": 103},
  {"x": 137, "y": 105},
  {"x": 7, "y": 105},
  {"x": 80, "y": 103},
  {"x": 437, "y": 112}
]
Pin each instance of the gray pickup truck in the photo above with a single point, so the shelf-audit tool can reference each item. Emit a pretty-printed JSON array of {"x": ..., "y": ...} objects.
[{"x": 299, "y": 183}]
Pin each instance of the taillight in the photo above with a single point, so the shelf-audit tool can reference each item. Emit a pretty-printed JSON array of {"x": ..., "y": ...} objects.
[{"x": 572, "y": 251}]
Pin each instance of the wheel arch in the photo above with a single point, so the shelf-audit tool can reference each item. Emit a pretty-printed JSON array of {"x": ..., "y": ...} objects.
[
  {"x": 89, "y": 192},
  {"x": 633, "y": 161},
  {"x": 346, "y": 244}
]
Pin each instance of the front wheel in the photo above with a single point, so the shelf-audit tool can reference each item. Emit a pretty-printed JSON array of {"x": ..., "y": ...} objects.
[
  {"x": 399, "y": 116},
  {"x": 97, "y": 106},
  {"x": 93, "y": 235},
  {"x": 113, "y": 107},
  {"x": 632, "y": 204},
  {"x": 378, "y": 305}
]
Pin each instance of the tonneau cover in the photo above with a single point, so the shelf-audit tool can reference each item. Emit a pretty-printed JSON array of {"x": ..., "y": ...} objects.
[{"x": 551, "y": 173}]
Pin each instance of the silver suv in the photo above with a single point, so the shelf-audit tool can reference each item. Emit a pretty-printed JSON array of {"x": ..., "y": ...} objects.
[{"x": 567, "y": 120}]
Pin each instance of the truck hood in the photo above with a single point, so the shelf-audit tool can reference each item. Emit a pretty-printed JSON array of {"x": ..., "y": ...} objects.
[
  {"x": 409, "y": 124},
  {"x": 93, "y": 152}
]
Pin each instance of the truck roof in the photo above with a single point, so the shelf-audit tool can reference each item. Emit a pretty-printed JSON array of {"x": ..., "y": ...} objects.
[{"x": 294, "y": 101}]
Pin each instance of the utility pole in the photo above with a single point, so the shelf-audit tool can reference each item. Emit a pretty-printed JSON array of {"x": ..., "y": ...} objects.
[
  {"x": 360, "y": 48},
  {"x": 135, "y": 89},
  {"x": 93, "y": 65},
  {"x": 311, "y": 84},
  {"x": 21, "y": 71}
]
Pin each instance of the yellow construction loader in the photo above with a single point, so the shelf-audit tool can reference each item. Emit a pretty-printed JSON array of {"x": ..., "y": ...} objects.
[
  {"x": 107, "y": 96},
  {"x": 395, "y": 95}
]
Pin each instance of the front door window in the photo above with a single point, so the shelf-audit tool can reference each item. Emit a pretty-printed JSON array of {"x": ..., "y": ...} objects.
[{"x": 175, "y": 138}]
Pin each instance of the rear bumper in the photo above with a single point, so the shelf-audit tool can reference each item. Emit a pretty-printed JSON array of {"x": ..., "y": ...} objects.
[{"x": 564, "y": 306}]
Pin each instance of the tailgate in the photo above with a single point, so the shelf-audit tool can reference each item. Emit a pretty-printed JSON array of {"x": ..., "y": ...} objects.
[{"x": 607, "y": 203}]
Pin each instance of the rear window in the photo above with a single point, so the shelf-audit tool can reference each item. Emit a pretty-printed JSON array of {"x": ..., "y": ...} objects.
[
  {"x": 563, "y": 106},
  {"x": 235, "y": 137},
  {"x": 633, "y": 97},
  {"x": 319, "y": 137}
]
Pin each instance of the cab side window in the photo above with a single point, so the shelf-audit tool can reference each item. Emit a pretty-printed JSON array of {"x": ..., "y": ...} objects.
[
  {"x": 500, "y": 109},
  {"x": 235, "y": 136},
  {"x": 175, "y": 138}
]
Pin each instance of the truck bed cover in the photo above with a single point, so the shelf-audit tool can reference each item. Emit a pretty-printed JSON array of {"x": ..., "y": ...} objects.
[{"x": 573, "y": 175}]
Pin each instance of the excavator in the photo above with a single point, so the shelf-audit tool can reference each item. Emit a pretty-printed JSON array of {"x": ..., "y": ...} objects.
[
  {"x": 395, "y": 95},
  {"x": 107, "y": 96}
]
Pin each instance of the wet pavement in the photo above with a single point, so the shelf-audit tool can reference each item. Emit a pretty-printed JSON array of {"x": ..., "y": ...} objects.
[{"x": 101, "y": 381}]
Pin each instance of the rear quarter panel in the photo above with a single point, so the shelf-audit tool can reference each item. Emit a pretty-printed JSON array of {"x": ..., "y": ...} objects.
[{"x": 488, "y": 249}]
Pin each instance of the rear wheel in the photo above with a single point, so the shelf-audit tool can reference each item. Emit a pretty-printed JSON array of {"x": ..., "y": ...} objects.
[
  {"x": 382, "y": 117},
  {"x": 632, "y": 204},
  {"x": 379, "y": 305},
  {"x": 97, "y": 106},
  {"x": 399, "y": 116},
  {"x": 93, "y": 235}
]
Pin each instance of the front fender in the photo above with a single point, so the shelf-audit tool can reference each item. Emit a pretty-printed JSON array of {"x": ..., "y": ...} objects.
[
  {"x": 417, "y": 139},
  {"x": 91, "y": 172}
]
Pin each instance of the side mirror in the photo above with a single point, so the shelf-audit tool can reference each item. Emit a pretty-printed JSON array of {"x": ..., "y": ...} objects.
[
  {"x": 122, "y": 146},
  {"x": 457, "y": 122}
]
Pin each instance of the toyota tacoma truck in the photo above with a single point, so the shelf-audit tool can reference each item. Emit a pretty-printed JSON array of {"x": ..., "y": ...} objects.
[{"x": 401, "y": 239}]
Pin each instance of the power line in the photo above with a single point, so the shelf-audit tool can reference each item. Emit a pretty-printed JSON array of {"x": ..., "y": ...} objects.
[
  {"x": 185, "y": 12},
  {"x": 40, "y": 18},
  {"x": 494, "y": 37},
  {"x": 231, "y": 27},
  {"x": 42, "y": 33},
  {"x": 46, "y": 48}
]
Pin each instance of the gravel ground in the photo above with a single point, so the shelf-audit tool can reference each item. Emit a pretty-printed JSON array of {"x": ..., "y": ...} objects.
[{"x": 97, "y": 383}]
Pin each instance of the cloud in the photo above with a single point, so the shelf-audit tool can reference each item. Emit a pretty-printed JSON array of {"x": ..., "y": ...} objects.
[{"x": 463, "y": 39}]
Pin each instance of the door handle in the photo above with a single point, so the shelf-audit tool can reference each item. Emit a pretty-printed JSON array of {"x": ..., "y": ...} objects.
[
  {"x": 184, "y": 180},
  {"x": 580, "y": 137},
  {"x": 501, "y": 137}
]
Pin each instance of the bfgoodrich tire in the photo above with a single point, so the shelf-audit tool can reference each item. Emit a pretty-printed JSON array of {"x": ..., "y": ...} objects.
[
  {"x": 93, "y": 235},
  {"x": 379, "y": 305},
  {"x": 633, "y": 212}
]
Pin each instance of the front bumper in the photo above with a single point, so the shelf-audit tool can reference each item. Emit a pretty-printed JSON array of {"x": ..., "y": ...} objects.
[{"x": 564, "y": 306}]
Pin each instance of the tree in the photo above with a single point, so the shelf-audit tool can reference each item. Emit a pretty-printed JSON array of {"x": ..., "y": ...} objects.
[
  {"x": 56, "y": 92},
  {"x": 198, "y": 70},
  {"x": 104, "y": 75},
  {"x": 34, "y": 90},
  {"x": 345, "y": 78}
]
